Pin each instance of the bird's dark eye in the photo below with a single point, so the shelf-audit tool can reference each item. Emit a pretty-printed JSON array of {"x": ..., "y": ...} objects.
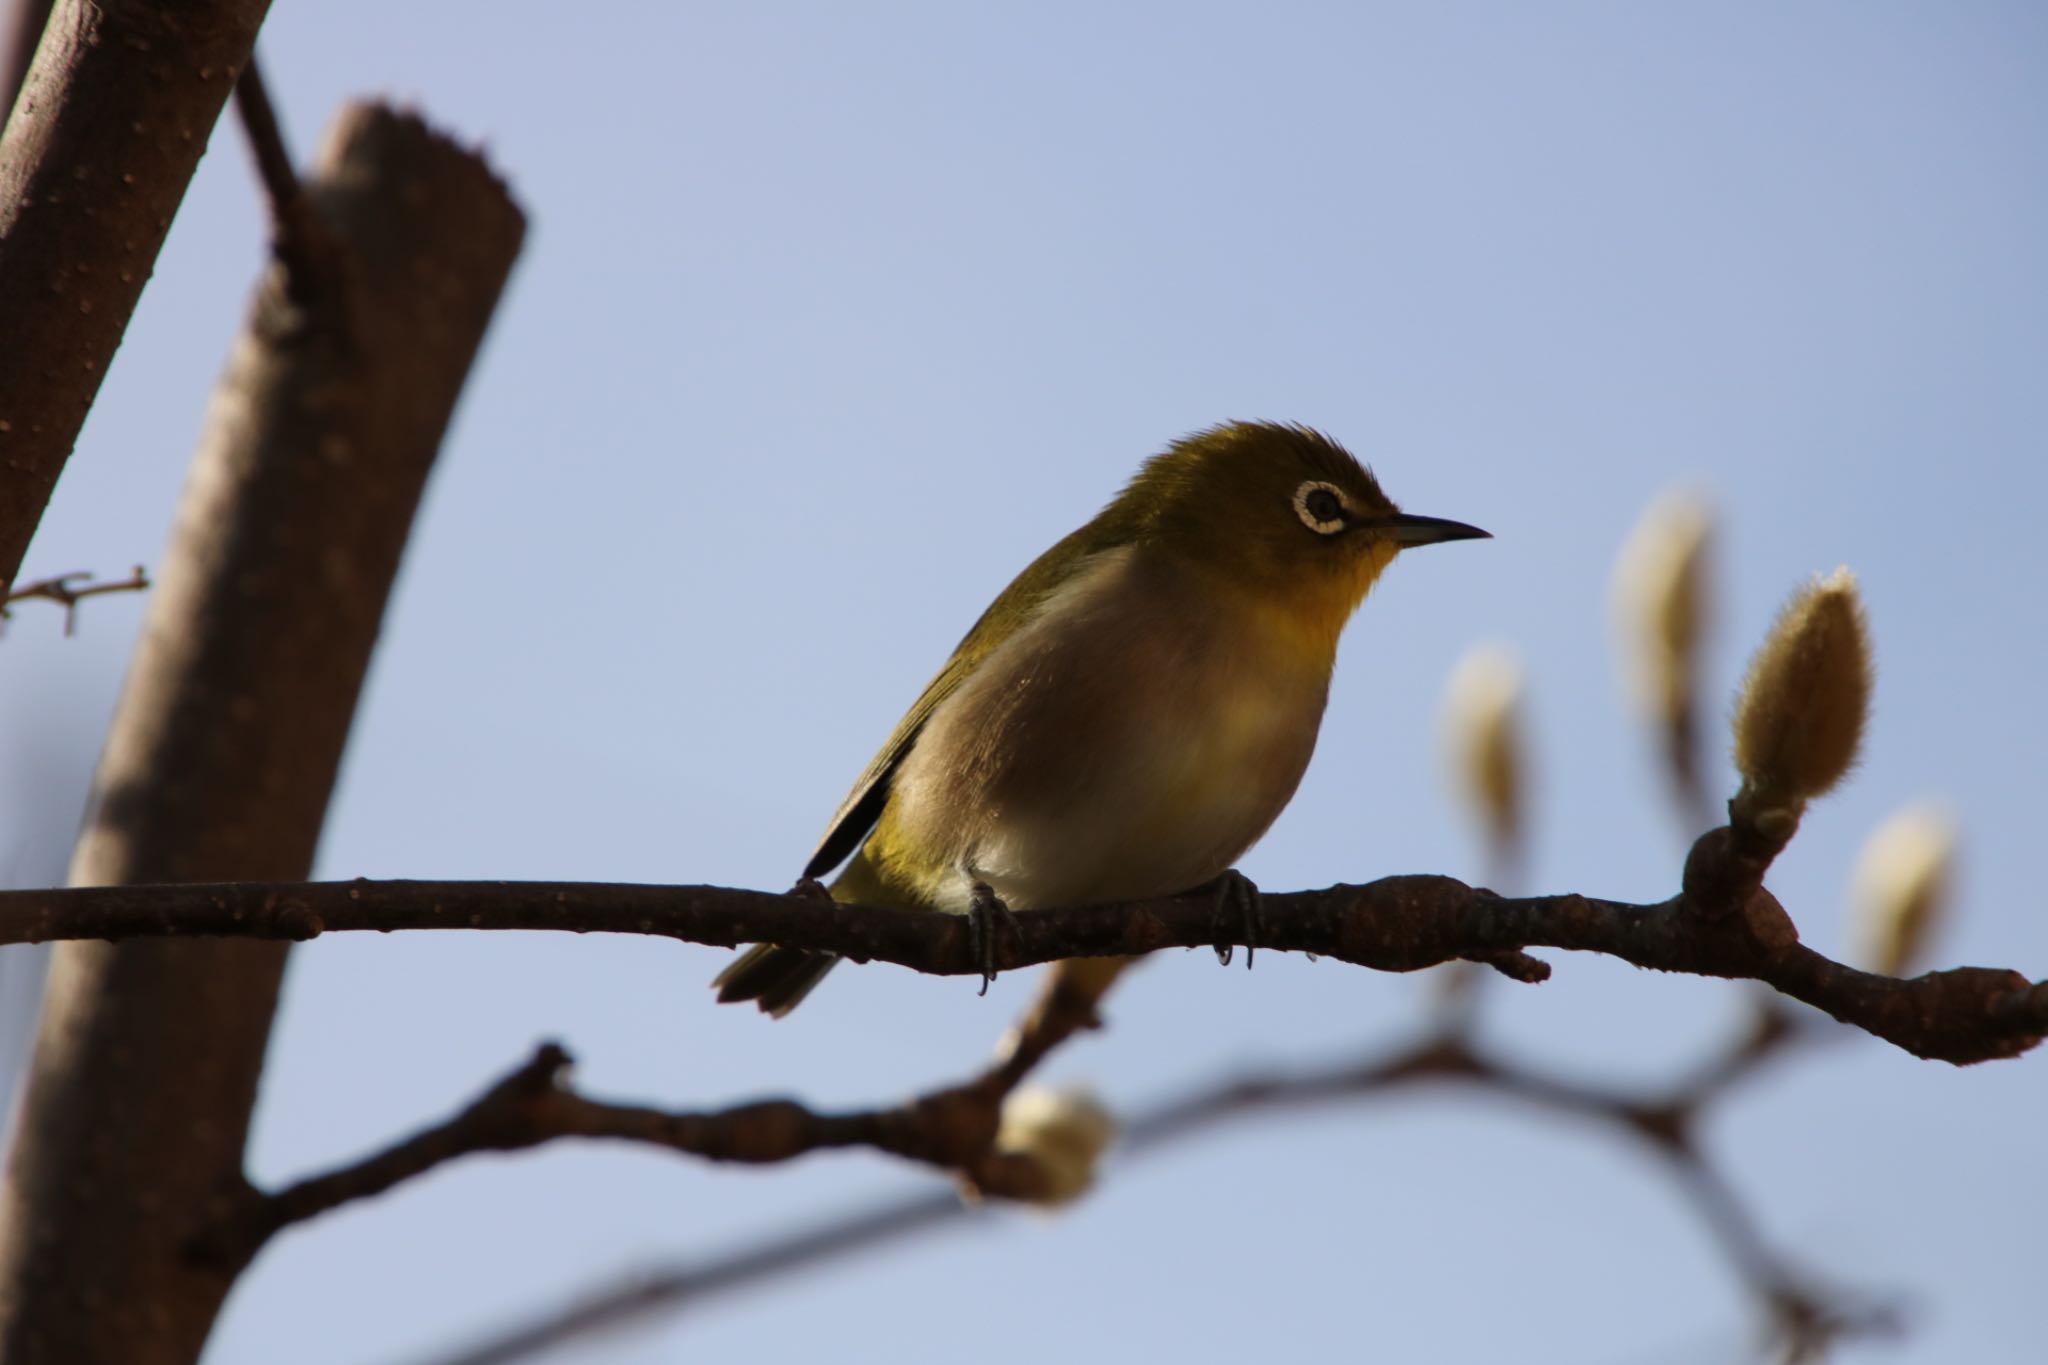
[{"x": 1320, "y": 507}]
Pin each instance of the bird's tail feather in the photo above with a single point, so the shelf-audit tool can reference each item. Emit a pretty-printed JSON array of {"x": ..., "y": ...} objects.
[{"x": 776, "y": 979}]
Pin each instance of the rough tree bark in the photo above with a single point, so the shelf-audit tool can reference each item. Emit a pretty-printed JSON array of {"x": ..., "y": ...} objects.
[
  {"x": 110, "y": 123},
  {"x": 228, "y": 737},
  {"x": 23, "y": 30}
]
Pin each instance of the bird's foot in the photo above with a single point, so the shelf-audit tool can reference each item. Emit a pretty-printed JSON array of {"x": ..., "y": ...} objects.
[
  {"x": 1236, "y": 893},
  {"x": 810, "y": 888},
  {"x": 984, "y": 912}
]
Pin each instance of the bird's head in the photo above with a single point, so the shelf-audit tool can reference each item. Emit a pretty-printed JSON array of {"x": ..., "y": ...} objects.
[{"x": 1279, "y": 511}]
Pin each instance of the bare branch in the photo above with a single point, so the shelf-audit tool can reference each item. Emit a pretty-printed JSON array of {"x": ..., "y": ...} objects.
[
  {"x": 953, "y": 1129},
  {"x": 663, "y": 1290},
  {"x": 1723, "y": 925},
  {"x": 231, "y": 728},
  {"x": 24, "y": 31},
  {"x": 67, "y": 591},
  {"x": 266, "y": 143},
  {"x": 533, "y": 1106},
  {"x": 300, "y": 241},
  {"x": 1803, "y": 1316},
  {"x": 94, "y": 160}
]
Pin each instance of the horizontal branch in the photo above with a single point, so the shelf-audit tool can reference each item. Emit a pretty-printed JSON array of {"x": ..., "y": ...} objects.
[
  {"x": 533, "y": 1105},
  {"x": 1724, "y": 925},
  {"x": 68, "y": 590},
  {"x": 953, "y": 1129},
  {"x": 1802, "y": 1314}
]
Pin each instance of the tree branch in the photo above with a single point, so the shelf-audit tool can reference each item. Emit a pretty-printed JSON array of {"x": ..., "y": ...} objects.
[
  {"x": 113, "y": 114},
  {"x": 1723, "y": 925},
  {"x": 663, "y": 1290},
  {"x": 299, "y": 240},
  {"x": 67, "y": 592},
  {"x": 1803, "y": 1317},
  {"x": 24, "y": 30},
  {"x": 532, "y": 1105},
  {"x": 266, "y": 143},
  {"x": 236, "y": 711},
  {"x": 953, "y": 1129}
]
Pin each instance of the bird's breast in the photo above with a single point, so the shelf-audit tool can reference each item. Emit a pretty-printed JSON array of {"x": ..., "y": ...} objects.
[{"x": 1133, "y": 740}]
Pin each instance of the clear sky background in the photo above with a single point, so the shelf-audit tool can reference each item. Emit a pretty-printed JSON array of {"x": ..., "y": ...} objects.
[{"x": 833, "y": 316}]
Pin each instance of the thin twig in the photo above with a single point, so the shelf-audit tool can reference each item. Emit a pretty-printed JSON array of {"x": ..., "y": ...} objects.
[
  {"x": 66, "y": 591},
  {"x": 299, "y": 240},
  {"x": 664, "y": 1290},
  {"x": 953, "y": 1129},
  {"x": 1723, "y": 925},
  {"x": 266, "y": 140},
  {"x": 1802, "y": 1314},
  {"x": 533, "y": 1105}
]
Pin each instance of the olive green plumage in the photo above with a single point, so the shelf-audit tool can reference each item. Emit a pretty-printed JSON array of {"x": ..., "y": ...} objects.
[{"x": 1133, "y": 711}]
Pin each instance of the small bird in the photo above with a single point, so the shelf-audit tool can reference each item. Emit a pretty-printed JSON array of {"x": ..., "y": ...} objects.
[{"x": 1132, "y": 713}]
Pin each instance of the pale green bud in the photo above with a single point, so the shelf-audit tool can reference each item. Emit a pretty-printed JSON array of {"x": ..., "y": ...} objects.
[{"x": 1799, "y": 719}]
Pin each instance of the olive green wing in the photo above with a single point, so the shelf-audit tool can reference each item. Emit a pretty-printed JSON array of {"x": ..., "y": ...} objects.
[{"x": 1017, "y": 605}]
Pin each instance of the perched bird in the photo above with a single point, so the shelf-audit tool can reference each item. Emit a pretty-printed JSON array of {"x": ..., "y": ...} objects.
[{"x": 1134, "y": 710}]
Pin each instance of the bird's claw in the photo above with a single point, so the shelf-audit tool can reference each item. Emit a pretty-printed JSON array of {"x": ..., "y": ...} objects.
[
  {"x": 1235, "y": 891},
  {"x": 810, "y": 888},
  {"x": 984, "y": 911}
]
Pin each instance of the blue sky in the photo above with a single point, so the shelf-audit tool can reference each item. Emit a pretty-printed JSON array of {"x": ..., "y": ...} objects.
[{"x": 833, "y": 316}]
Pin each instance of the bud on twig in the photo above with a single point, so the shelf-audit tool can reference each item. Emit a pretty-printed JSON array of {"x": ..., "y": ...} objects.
[
  {"x": 1661, "y": 606},
  {"x": 1483, "y": 735},
  {"x": 1799, "y": 720},
  {"x": 1063, "y": 1132},
  {"x": 1900, "y": 888}
]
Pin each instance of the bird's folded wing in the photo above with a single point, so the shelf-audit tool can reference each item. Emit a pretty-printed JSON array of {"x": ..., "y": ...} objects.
[{"x": 1014, "y": 608}]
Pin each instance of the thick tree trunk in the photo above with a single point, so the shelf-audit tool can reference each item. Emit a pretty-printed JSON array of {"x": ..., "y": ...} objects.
[
  {"x": 229, "y": 735},
  {"x": 23, "y": 30},
  {"x": 112, "y": 117}
]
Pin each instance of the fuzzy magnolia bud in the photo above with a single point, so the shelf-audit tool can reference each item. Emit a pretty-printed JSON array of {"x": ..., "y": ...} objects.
[
  {"x": 1063, "y": 1132},
  {"x": 1800, "y": 716},
  {"x": 1482, "y": 730},
  {"x": 1660, "y": 604},
  {"x": 1900, "y": 887}
]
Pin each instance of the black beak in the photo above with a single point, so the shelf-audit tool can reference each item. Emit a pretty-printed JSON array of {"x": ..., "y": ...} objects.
[{"x": 1405, "y": 529}]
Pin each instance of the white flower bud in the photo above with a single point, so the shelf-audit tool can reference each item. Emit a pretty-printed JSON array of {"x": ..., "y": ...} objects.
[
  {"x": 1900, "y": 889},
  {"x": 1799, "y": 720},
  {"x": 1482, "y": 731},
  {"x": 1063, "y": 1131},
  {"x": 1660, "y": 604}
]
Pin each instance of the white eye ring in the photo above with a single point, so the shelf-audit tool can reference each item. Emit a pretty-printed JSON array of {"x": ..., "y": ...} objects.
[{"x": 1326, "y": 525}]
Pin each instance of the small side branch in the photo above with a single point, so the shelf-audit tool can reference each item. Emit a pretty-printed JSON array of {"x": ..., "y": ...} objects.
[
  {"x": 299, "y": 240},
  {"x": 953, "y": 1129},
  {"x": 68, "y": 590},
  {"x": 266, "y": 142},
  {"x": 663, "y": 1291}
]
